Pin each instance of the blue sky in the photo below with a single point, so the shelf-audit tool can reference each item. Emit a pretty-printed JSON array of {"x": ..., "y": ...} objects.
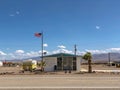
[{"x": 93, "y": 25}]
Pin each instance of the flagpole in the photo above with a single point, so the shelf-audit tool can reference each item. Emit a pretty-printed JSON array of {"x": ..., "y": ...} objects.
[
  {"x": 41, "y": 35},
  {"x": 42, "y": 49}
]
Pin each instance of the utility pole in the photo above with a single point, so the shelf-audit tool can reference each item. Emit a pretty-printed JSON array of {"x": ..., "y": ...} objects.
[
  {"x": 109, "y": 59},
  {"x": 75, "y": 58},
  {"x": 75, "y": 48}
]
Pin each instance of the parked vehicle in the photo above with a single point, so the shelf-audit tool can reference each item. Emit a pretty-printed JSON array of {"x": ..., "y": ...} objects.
[{"x": 29, "y": 65}]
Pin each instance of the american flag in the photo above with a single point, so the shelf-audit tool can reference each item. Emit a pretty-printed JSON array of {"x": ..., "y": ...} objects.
[{"x": 38, "y": 34}]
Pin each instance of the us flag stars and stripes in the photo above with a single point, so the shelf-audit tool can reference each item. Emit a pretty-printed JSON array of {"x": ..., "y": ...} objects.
[{"x": 38, "y": 34}]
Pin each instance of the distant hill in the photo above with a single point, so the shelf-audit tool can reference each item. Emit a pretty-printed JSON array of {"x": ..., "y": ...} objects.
[
  {"x": 95, "y": 58},
  {"x": 20, "y": 60},
  {"x": 99, "y": 57},
  {"x": 34, "y": 58},
  {"x": 105, "y": 57}
]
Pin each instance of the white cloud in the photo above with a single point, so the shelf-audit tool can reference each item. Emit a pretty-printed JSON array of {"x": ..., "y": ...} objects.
[
  {"x": 28, "y": 54},
  {"x": 114, "y": 50},
  {"x": 7, "y": 48},
  {"x": 81, "y": 52},
  {"x": 12, "y": 15},
  {"x": 45, "y": 45},
  {"x": 44, "y": 51},
  {"x": 21, "y": 54},
  {"x": 11, "y": 56},
  {"x": 19, "y": 51},
  {"x": 96, "y": 51},
  {"x": 17, "y": 12},
  {"x": 97, "y": 27},
  {"x": 62, "y": 51},
  {"x": 2, "y": 53},
  {"x": 18, "y": 54},
  {"x": 117, "y": 50},
  {"x": 31, "y": 54},
  {"x": 61, "y": 47}
]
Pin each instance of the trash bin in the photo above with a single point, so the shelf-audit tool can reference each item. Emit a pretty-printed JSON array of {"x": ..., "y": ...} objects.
[
  {"x": 55, "y": 67},
  {"x": 70, "y": 69}
]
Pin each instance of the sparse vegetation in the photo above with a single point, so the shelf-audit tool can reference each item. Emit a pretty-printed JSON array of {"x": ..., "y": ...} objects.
[
  {"x": 42, "y": 64},
  {"x": 88, "y": 57}
]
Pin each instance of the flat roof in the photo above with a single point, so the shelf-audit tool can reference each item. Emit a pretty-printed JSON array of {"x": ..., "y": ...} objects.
[{"x": 60, "y": 55}]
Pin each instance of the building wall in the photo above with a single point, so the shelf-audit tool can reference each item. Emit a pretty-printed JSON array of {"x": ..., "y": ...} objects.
[
  {"x": 50, "y": 63},
  {"x": 78, "y": 64}
]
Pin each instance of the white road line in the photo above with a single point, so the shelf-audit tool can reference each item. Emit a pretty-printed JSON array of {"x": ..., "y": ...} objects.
[
  {"x": 57, "y": 87},
  {"x": 58, "y": 77},
  {"x": 79, "y": 78}
]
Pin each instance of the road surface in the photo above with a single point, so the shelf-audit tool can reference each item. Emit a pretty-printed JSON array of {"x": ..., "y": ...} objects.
[{"x": 59, "y": 82}]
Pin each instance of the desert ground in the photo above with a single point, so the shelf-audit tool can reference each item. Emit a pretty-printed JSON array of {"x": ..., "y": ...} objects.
[
  {"x": 95, "y": 67},
  {"x": 14, "y": 80}
]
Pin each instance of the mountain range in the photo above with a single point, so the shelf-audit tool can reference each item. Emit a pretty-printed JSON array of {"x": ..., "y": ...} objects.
[
  {"x": 106, "y": 57},
  {"x": 95, "y": 57}
]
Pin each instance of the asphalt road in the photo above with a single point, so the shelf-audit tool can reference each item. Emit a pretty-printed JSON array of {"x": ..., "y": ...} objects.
[{"x": 59, "y": 82}]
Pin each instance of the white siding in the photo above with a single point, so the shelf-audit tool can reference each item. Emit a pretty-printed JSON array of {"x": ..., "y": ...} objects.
[
  {"x": 50, "y": 63},
  {"x": 78, "y": 64}
]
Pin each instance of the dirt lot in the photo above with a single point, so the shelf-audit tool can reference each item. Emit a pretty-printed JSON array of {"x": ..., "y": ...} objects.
[
  {"x": 16, "y": 70},
  {"x": 100, "y": 67},
  {"x": 59, "y": 80},
  {"x": 10, "y": 69}
]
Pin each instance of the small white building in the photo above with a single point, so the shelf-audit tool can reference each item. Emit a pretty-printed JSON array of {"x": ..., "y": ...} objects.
[
  {"x": 62, "y": 61},
  {"x": 1, "y": 63}
]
